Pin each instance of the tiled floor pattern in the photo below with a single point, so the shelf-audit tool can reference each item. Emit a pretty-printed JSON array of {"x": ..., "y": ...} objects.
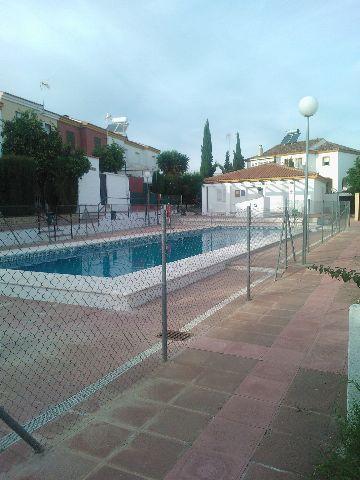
[{"x": 253, "y": 399}]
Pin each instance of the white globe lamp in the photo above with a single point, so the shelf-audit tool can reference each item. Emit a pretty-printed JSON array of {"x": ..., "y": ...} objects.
[{"x": 308, "y": 106}]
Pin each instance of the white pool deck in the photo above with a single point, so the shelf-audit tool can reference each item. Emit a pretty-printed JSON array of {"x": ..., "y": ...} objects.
[{"x": 122, "y": 293}]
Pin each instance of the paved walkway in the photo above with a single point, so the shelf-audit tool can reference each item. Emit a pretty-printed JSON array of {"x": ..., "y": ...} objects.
[{"x": 253, "y": 399}]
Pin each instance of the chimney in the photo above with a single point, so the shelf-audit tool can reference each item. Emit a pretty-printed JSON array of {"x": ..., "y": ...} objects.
[{"x": 261, "y": 151}]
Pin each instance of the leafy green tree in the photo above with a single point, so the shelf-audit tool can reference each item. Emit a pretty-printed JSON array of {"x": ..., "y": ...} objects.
[
  {"x": 227, "y": 164},
  {"x": 188, "y": 185},
  {"x": 172, "y": 162},
  {"x": 111, "y": 158},
  {"x": 18, "y": 184},
  {"x": 191, "y": 188},
  {"x": 238, "y": 160},
  {"x": 25, "y": 135},
  {"x": 54, "y": 163},
  {"x": 353, "y": 177},
  {"x": 207, "y": 168}
]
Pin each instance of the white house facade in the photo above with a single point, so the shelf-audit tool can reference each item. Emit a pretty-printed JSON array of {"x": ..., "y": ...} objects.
[
  {"x": 266, "y": 188},
  {"x": 139, "y": 158},
  {"x": 89, "y": 185},
  {"x": 327, "y": 159}
]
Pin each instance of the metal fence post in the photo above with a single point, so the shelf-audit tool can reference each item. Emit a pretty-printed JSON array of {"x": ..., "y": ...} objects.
[
  {"x": 20, "y": 430},
  {"x": 348, "y": 214},
  {"x": 308, "y": 227},
  {"x": 322, "y": 221},
  {"x": 164, "y": 287},
  {"x": 304, "y": 233},
  {"x": 39, "y": 223},
  {"x": 71, "y": 226},
  {"x": 286, "y": 233},
  {"x": 332, "y": 218},
  {"x": 248, "y": 235}
]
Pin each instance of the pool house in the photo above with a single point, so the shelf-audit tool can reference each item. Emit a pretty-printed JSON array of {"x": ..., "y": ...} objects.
[{"x": 265, "y": 187}]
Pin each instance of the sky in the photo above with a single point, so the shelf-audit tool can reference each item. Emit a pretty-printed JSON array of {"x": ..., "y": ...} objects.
[{"x": 170, "y": 64}]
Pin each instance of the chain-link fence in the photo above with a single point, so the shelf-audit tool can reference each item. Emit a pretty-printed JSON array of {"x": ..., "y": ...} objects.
[{"x": 93, "y": 297}]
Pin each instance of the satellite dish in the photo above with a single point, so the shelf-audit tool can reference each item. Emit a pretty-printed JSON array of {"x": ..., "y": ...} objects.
[{"x": 108, "y": 118}]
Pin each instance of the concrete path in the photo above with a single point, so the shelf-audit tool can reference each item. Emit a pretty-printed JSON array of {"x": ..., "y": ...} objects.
[{"x": 255, "y": 398}]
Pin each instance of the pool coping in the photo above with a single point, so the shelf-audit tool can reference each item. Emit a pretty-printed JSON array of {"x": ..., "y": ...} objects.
[{"x": 124, "y": 292}]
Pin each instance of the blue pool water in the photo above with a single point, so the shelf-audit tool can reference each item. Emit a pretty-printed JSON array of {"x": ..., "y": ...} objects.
[{"x": 111, "y": 259}]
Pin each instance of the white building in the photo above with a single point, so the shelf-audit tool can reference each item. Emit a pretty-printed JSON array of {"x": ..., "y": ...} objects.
[
  {"x": 139, "y": 158},
  {"x": 327, "y": 159},
  {"x": 264, "y": 187},
  {"x": 89, "y": 185}
]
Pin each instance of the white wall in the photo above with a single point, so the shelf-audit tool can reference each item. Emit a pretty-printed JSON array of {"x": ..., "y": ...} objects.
[
  {"x": 222, "y": 199},
  {"x": 346, "y": 161},
  {"x": 340, "y": 163},
  {"x": 331, "y": 170},
  {"x": 214, "y": 198},
  {"x": 89, "y": 185},
  {"x": 117, "y": 186}
]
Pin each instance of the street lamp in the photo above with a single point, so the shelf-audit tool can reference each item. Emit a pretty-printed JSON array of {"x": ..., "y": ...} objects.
[
  {"x": 147, "y": 175},
  {"x": 307, "y": 107}
]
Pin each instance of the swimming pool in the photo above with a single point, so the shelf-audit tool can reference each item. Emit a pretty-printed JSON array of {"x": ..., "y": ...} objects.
[{"x": 115, "y": 258}]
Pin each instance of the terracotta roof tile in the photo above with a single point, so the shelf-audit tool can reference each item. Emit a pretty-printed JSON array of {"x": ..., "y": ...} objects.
[{"x": 268, "y": 171}]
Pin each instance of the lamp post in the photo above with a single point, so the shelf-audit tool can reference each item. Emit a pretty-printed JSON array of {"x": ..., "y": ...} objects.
[
  {"x": 147, "y": 175},
  {"x": 307, "y": 107}
]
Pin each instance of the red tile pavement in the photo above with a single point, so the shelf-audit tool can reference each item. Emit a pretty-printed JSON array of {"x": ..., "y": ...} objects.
[
  {"x": 207, "y": 465},
  {"x": 248, "y": 400},
  {"x": 250, "y": 411},
  {"x": 263, "y": 389}
]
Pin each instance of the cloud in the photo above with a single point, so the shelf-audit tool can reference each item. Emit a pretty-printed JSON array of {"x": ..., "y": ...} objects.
[{"x": 169, "y": 65}]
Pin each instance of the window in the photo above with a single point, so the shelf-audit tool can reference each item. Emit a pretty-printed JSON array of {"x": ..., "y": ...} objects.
[
  {"x": 70, "y": 138},
  {"x": 325, "y": 161},
  {"x": 237, "y": 193},
  {"x": 97, "y": 142},
  {"x": 17, "y": 114},
  {"x": 242, "y": 193},
  {"x": 47, "y": 127},
  {"x": 220, "y": 195}
]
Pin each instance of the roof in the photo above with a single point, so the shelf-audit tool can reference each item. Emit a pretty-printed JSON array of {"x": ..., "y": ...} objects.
[
  {"x": 315, "y": 146},
  {"x": 125, "y": 139},
  {"x": 78, "y": 123},
  {"x": 29, "y": 103},
  {"x": 268, "y": 171}
]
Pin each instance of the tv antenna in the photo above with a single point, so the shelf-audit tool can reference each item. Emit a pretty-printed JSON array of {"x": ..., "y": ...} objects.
[{"x": 44, "y": 85}]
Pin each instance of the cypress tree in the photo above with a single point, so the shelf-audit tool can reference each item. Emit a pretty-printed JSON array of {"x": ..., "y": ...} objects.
[
  {"x": 207, "y": 168},
  {"x": 227, "y": 164},
  {"x": 238, "y": 160}
]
